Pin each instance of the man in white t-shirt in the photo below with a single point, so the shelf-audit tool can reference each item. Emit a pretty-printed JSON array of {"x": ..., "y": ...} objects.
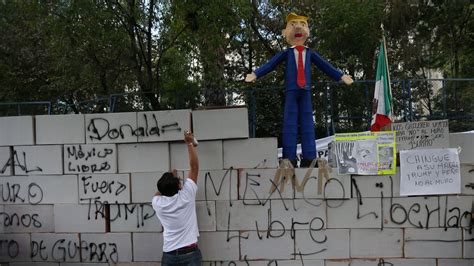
[{"x": 175, "y": 206}]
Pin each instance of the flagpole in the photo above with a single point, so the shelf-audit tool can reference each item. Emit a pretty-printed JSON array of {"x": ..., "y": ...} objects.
[{"x": 386, "y": 67}]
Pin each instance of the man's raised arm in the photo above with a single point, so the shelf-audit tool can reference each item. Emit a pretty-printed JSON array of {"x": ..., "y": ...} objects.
[{"x": 193, "y": 157}]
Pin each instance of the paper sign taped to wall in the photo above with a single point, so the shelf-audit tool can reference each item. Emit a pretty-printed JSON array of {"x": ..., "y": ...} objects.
[
  {"x": 386, "y": 152},
  {"x": 430, "y": 171},
  {"x": 422, "y": 135},
  {"x": 366, "y": 153}
]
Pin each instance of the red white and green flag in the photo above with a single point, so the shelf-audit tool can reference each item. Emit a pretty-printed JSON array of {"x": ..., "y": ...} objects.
[{"x": 382, "y": 105}]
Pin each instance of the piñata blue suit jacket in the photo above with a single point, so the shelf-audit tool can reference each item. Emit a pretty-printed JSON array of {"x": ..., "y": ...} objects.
[
  {"x": 298, "y": 100},
  {"x": 288, "y": 56}
]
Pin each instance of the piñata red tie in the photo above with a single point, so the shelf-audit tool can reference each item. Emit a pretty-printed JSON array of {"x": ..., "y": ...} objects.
[{"x": 301, "y": 79}]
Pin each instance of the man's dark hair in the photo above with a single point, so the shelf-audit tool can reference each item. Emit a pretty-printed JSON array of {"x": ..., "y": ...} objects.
[{"x": 168, "y": 185}]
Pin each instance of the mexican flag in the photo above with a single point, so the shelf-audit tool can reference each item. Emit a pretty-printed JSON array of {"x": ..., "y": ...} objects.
[{"x": 382, "y": 105}]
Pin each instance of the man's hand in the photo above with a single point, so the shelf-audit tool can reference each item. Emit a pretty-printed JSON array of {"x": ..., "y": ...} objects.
[
  {"x": 188, "y": 137},
  {"x": 251, "y": 77},
  {"x": 347, "y": 79}
]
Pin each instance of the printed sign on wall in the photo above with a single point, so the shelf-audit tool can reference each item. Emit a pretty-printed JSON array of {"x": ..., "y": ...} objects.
[{"x": 366, "y": 153}]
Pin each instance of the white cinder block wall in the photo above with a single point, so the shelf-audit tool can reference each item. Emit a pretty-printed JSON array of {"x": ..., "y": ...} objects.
[{"x": 76, "y": 190}]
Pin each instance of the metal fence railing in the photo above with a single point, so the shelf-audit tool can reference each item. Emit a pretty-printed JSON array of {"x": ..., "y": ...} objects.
[
  {"x": 25, "y": 108},
  {"x": 337, "y": 108}
]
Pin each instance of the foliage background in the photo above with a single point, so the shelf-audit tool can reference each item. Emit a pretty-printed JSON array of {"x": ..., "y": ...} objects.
[{"x": 192, "y": 53}]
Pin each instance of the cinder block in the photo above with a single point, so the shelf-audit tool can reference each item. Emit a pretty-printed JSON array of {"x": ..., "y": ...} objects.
[
  {"x": 147, "y": 246},
  {"x": 260, "y": 185},
  {"x": 229, "y": 123},
  {"x": 110, "y": 188},
  {"x": 339, "y": 262},
  {"x": 16, "y": 130},
  {"x": 455, "y": 262},
  {"x": 217, "y": 246},
  {"x": 39, "y": 189},
  {"x": 386, "y": 186},
  {"x": 90, "y": 264},
  {"x": 209, "y": 152},
  {"x": 5, "y": 161},
  {"x": 411, "y": 212},
  {"x": 298, "y": 262},
  {"x": 206, "y": 215},
  {"x": 133, "y": 218},
  {"x": 117, "y": 247},
  {"x": 376, "y": 243},
  {"x": 322, "y": 244},
  {"x": 148, "y": 263},
  {"x": 267, "y": 245},
  {"x": 467, "y": 180},
  {"x": 390, "y": 261},
  {"x": 251, "y": 153},
  {"x": 55, "y": 247},
  {"x": 15, "y": 247},
  {"x": 71, "y": 218},
  {"x": 111, "y": 128},
  {"x": 166, "y": 125},
  {"x": 239, "y": 216},
  {"x": 318, "y": 186},
  {"x": 297, "y": 214},
  {"x": 244, "y": 262},
  {"x": 433, "y": 243},
  {"x": 217, "y": 185},
  {"x": 466, "y": 142},
  {"x": 60, "y": 129},
  {"x": 143, "y": 157},
  {"x": 247, "y": 262},
  {"x": 468, "y": 244},
  {"x": 34, "y": 264},
  {"x": 27, "y": 218},
  {"x": 90, "y": 159},
  {"x": 354, "y": 213},
  {"x": 2, "y": 229},
  {"x": 143, "y": 186},
  {"x": 38, "y": 160}
]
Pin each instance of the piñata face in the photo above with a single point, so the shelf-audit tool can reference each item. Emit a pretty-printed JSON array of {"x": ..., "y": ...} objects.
[{"x": 296, "y": 32}]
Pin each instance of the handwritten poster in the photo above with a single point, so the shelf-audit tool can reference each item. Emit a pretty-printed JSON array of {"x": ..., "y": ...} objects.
[
  {"x": 366, "y": 153},
  {"x": 422, "y": 135},
  {"x": 430, "y": 171}
]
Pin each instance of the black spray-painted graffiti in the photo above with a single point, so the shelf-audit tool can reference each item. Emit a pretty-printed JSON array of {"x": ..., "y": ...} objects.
[
  {"x": 69, "y": 250},
  {"x": 25, "y": 220},
  {"x": 100, "y": 252},
  {"x": 89, "y": 159},
  {"x": 423, "y": 214},
  {"x": 19, "y": 162},
  {"x": 284, "y": 180},
  {"x": 217, "y": 190},
  {"x": 142, "y": 213},
  {"x": 11, "y": 247},
  {"x": 99, "y": 128},
  {"x": 417, "y": 215},
  {"x": 104, "y": 187},
  {"x": 62, "y": 250},
  {"x": 14, "y": 193}
]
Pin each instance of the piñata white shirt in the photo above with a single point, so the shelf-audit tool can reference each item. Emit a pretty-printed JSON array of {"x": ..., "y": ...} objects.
[{"x": 177, "y": 214}]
